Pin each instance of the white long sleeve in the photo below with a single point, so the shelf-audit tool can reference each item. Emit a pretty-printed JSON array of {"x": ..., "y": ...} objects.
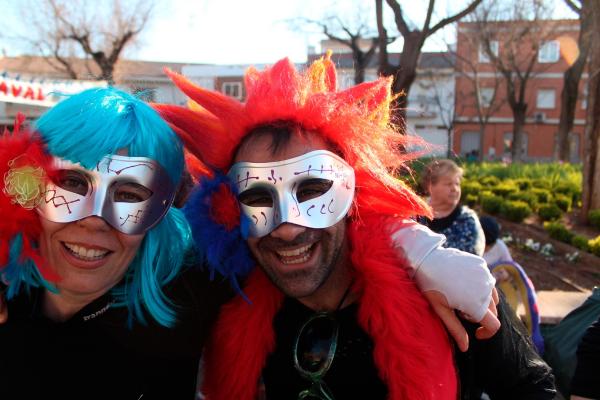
[{"x": 462, "y": 277}]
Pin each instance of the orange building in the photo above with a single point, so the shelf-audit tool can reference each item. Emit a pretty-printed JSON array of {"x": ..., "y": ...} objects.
[{"x": 478, "y": 82}]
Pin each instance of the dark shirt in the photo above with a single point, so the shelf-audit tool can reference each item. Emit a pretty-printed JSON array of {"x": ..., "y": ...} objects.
[
  {"x": 352, "y": 374},
  {"x": 586, "y": 381},
  {"x": 461, "y": 228},
  {"x": 96, "y": 355},
  {"x": 505, "y": 367}
]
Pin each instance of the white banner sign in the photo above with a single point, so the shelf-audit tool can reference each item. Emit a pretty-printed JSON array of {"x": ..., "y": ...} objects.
[{"x": 42, "y": 92}]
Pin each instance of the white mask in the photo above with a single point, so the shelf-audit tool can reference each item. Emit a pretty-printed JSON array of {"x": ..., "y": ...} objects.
[
  {"x": 131, "y": 194},
  {"x": 314, "y": 190}
]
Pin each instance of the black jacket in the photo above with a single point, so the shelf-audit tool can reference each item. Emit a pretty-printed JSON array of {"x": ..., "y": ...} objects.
[
  {"x": 96, "y": 355},
  {"x": 506, "y": 366}
]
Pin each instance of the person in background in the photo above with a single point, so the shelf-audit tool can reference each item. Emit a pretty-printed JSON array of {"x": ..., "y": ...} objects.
[
  {"x": 585, "y": 384},
  {"x": 441, "y": 180},
  {"x": 495, "y": 249}
]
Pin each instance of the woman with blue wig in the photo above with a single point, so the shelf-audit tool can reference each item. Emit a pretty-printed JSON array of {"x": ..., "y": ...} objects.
[{"x": 91, "y": 254}]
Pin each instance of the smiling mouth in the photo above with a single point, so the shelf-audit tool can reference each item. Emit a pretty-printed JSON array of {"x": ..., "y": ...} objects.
[
  {"x": 85, "y": 253},
  {"x": 295, "y": 256}
]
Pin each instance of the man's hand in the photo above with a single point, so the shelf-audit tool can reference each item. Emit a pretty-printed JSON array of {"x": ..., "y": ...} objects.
[{"x": 489, "y": 324}]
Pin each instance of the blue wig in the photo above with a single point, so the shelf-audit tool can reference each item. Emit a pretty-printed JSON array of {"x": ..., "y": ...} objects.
[{"x": 83, "y": 129}]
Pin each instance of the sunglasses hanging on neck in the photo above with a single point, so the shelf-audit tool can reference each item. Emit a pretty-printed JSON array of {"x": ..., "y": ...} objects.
[{"x": 314, "y": 350}]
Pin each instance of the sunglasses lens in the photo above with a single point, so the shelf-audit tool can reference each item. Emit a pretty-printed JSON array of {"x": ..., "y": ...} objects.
[{"x": 316, "y": 344}]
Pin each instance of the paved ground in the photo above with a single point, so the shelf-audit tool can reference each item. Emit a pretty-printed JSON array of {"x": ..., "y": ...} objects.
[{"x": 556, "y": 304}]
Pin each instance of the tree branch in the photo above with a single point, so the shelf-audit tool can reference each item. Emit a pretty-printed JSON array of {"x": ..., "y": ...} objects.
[
  {"x": 573, "y": 6},
  {"x": 398, "y": 17},
  {"x": 454, "y": 18}
]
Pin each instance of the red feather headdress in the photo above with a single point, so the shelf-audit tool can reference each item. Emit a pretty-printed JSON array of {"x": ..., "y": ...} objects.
[
  {"x": 356, "y": 120},
  {"x": 24, "y": 163}
]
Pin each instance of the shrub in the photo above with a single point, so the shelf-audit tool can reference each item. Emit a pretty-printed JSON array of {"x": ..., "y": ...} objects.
[
  {"x": 491, "y": 203},
  {"x": 563, "y": 202},
  {"x": 527, "y": 197},
  {"x": 543, "y": 195},
  {"x": 558, "y": 231},
  {"x": 503, "y": 189},
  {"x": 470, "y": 187},
  {"x": 489, "y": 181},
  {"x": 549, "y": 212},
  {"x": 569, "y": 189},
  {"x": 594, "y": 217},
  {"x": 541, "y": 183},
  {"x": 581, "y": 242},
  {"x": 515, "y": 210},
  {"x": 471, "y": 200},
  {"x": 594, "y": 245},
  {"x": 523, "y": 183}
]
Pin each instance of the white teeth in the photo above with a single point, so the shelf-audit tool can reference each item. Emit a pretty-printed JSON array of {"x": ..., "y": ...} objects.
[
  {"x": 296, "y": 252},
  {"x": 297, "y": 260},
  {"x": 85, "y": 253},
  {"x": 295, "y": 256}
]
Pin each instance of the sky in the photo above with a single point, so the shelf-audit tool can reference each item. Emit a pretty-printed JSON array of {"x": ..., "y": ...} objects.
[{"x": 247, "y": 31}]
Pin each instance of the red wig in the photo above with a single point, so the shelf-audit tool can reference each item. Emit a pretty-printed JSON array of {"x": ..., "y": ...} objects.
[{"x": 356, "y": 121}]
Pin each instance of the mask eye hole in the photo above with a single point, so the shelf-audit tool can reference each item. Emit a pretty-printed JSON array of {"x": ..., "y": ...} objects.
[
  {"x": 73, "y": 181},
  {"x": 131, "y": 192},
  {"x": 312, "y": 188},
  {"x": 256, "y": 197}
]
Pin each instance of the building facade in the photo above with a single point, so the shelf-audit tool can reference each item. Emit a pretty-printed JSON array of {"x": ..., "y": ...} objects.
[
  {"x": 481, "y": 93},
  {"x": 31, "y": 84}
]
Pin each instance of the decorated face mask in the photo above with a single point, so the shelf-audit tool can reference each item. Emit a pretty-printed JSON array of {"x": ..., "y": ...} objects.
[
  {"x": 131, "y": 194},
  {"x": 314, "y": 190}
]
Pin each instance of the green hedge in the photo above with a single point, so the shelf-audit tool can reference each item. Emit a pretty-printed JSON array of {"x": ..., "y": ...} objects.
[
  {"x": 504, "y": 189},
  {"x": 594, "y": 217},
  {"x": 515, "y": 210},
  {"x": 563, "y": 202},
  {"x": 581, "y": 242},
  {"x": 489, "y": 181},
  {"x": 558, "y": 231},
  {"x": 543, "y": 195},
  {"x": 490, "y": 203},
  {"x": 549, "y": 212},
  {"x": 595, "y": 245},
  {"x": 523, "y": 183},
  {"x": 470, "y": 187},
  {"x": 527, "y": 197}
]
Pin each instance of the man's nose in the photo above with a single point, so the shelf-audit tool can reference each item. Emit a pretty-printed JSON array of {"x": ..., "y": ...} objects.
[{"x": 287, "y": 231}]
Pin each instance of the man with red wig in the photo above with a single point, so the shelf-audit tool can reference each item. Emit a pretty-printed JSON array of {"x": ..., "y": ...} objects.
[{"x": 329, "y": 314}]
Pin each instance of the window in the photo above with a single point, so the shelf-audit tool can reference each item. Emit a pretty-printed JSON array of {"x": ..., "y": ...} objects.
[
  {"x": 486, "y": 96},
  {"x": 232, "y": 89},
  {"x": 584, "y": 95},
  {"x": 549, "y": 52},
  {"x": 546, "y": 98},
  {"x": 483, "y": 55}
]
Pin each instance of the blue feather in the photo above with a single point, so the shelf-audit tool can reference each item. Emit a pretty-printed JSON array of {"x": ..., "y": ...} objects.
[{"x": 225, "y": 252}]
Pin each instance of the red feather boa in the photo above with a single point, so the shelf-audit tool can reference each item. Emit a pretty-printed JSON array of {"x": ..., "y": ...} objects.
[
  {"x": 412, "y": 351},
  {"x": 28, "y": 149}
]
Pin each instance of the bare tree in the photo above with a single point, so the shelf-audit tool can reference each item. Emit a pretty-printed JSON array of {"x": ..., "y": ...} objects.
[
  {"x": 519, "y": 30},
  {"x": 405, "y": 72},
  {"x": 568, "y": 98},
  {"x": 442, "y": 100},
  {"x": 481, "y": 94},
  {"x": 591, "y": 163},
  {"x": 67, "y": 30},
  {"x": 354, "y": 38}
]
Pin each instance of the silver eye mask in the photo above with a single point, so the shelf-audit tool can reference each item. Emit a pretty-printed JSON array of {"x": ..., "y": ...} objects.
[
  {"x": 131, "y": 194},
  {"x": 314, "y": 190}
]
